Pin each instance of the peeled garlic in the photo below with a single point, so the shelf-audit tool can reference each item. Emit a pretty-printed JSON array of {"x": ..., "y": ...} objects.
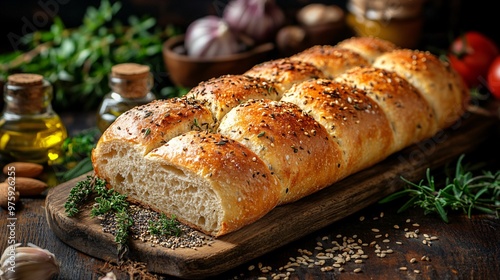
[{"x": 31, "y": 262}]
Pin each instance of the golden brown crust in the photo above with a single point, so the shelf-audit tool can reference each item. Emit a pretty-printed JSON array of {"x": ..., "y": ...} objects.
[
  {"x": 436, "y": 80},
  {"x": 297, "y": 148},
  {"x": 245, "y": 186},
  {"x": 153, "y": 124},
  {"x": 357, "y": 123},
  {"x": 331, "y": 60},
  {"x": 275, "y": 147},
  {"x": 284, "y": 72},
  {"x": 368, "y": 47},
  {"x": 411, "y": 117},
  {"x": 224, "y": 93}
]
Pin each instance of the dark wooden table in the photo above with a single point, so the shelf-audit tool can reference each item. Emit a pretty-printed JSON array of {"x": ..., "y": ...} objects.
[{"x": 462, "y": 249}]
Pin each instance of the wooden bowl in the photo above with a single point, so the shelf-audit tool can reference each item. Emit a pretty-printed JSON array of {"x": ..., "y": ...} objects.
[{"x": 187, "y": 71}]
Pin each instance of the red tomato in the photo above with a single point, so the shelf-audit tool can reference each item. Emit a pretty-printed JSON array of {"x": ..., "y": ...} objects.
[
  {"x": 494, "y": 78},
  {"x": 471, "y": 55}
]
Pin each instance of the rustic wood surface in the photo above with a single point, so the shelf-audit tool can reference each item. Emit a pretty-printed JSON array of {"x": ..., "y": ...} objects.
[
  {"x": 279, "y": 227},
  {"x": 465, "y": 249}
]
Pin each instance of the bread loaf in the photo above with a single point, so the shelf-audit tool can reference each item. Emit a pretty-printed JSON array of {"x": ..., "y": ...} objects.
[{"x": 237, "y": 146}]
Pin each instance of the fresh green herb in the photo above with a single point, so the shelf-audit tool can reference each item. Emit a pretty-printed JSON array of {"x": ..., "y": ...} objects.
[
  {"x": 196, "y": 124},
  {"x": 147, "y": 131},
  {"x": 465, "y": 191},
  {"x": 123, "y": 224},
  {"x": 75, "y": 159},
  {"x": 173, "y": 91},
  {"x": 79, "y": 146},
  {"x": 107, "y": 201},
  {"x": 77, "y": 61},
  {"x": 261, "y": 134},
  {"x": 165, "y": 226},
  {"x": 80, "y": 193}
]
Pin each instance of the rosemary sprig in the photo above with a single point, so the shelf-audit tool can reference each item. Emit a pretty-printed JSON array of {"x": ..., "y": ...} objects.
[{"x": 464, "y": 191}]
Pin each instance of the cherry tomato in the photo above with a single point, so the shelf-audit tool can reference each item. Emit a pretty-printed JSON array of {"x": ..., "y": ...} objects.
[
  {"x": 494, "y": 78},
  {"x": 471, "y": 55}
]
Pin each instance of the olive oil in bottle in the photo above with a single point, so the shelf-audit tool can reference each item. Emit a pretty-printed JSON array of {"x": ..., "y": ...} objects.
[
  {"x": 131, "y": 86},
  {"x": 30, "y": 130}
]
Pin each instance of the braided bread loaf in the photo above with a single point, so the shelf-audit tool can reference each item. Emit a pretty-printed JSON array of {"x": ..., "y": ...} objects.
[{"x": 237, "y": 146}]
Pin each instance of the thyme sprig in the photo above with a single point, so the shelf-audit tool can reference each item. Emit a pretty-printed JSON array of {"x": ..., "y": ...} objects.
[
  {"x": 107, "y": 200},
  {"x": 81, "y": 193},
  {"x": 464, "y": 191},
  {"x": 165, "y": 226}
]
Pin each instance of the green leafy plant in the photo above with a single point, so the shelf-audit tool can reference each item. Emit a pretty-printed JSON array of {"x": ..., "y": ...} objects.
[
  {"x": 165, "y": 226},
  {"x": 463, "y": 191},
  {"x": 76, "y": 150},
  {"x": 77, "y": 61}
]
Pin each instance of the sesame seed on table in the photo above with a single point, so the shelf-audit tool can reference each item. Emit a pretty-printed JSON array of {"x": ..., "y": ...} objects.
[{"x": 373, "y": 243}]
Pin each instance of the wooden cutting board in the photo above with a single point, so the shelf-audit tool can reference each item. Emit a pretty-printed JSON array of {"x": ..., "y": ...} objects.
[{"x": 283, "y": 224}]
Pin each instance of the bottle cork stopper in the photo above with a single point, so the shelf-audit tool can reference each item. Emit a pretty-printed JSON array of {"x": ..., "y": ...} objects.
[
  {"x": 130, "y": 71},
  {"x": 27, "y": 93},
  {"x": 131, "y": 80},
  {"x": 25, "y": 79}
]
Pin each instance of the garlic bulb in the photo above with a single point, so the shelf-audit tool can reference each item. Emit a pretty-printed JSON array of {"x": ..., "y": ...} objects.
[
  {"x": 318, "y": 14},
  {"x": 210, "y": 37},
  {"x": 27, "y": 263},
  {"x": 258, "y": 19}
]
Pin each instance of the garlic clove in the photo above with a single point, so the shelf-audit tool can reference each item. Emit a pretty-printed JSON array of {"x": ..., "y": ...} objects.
[
  {"x": 31, "y": 262},
  {"x": 109, "y": 276}
]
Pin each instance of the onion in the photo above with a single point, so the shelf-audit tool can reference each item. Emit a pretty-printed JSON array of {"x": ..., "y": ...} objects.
[
  {"x": 258, "y": 19},
  {"x": 210, "y": 37}
]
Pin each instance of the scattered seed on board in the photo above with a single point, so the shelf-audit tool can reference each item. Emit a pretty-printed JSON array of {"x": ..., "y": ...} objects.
[
  {"x": 357, "y": 270},
  {"x": 413, "y": 260},
  {"x": 362, "y": 218},
  {"x": 403, "y": 268}
]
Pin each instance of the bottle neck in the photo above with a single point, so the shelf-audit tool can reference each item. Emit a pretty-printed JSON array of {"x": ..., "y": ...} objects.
[
  {"x": 28, "y": 99},
  {"x": 131, "y": 88}
]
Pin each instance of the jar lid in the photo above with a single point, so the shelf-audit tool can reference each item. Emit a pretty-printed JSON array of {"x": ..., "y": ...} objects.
[
  {"x": 24, "y": 79},
  {"x": 386, "y": 9},
  {"x": 130, "y": 71},
  {"x": 27, "y": 93},
  {"x": 131, "y": 80}
]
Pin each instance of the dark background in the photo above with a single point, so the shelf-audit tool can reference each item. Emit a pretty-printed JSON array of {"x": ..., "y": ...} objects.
[{"x": 443, "y": 18}]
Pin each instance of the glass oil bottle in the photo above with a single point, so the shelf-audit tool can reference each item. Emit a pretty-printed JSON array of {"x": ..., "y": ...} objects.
[
  {"x": 30, "y": 130},
  {"x": 131, "y": 86}
]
